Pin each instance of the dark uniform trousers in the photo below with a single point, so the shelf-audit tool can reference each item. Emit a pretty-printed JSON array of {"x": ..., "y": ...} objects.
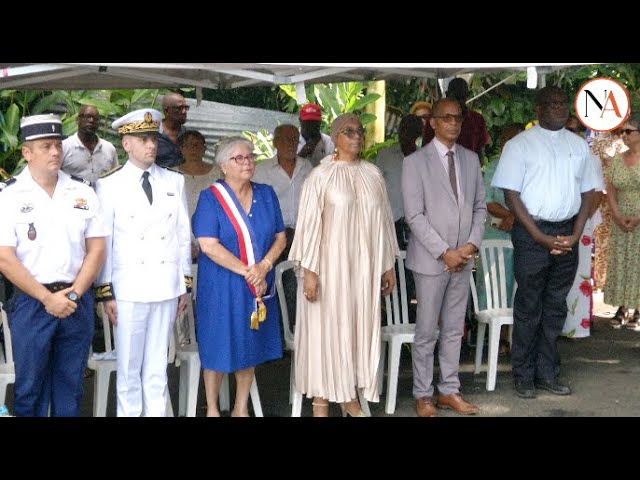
[
  {"x": 40, "y": 339},
  {"x": 540, "y": 308}
]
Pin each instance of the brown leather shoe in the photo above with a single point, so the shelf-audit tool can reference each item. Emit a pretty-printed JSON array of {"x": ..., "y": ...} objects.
[
  {"x": 456, "y": 403},
  {"x": 425, "y": 407}
]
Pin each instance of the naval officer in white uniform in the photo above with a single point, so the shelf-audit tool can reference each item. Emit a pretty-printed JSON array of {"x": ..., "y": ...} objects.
[
  {"x": 51, "y": 248},
  {"x": 147, "y": 272}
]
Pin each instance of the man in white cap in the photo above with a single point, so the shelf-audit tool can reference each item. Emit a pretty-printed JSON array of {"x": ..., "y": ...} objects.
[
  {"x": 51, "y": 247},
  {"x": 147, "y": 272},
  {"x": 314, "y": 145}
]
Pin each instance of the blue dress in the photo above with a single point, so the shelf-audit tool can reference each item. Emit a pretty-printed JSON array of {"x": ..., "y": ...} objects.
[{"x": 224, "y": 302}]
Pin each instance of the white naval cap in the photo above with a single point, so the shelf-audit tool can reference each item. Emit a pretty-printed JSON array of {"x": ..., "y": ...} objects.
[
  {"x": 40, "y": 126},
  {"x": 145, "y": 120}
]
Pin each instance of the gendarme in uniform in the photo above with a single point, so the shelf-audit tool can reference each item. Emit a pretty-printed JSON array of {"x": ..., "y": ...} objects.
[
  {"x": 51, "y": 247},
  {"x": 148, "y": 263}
]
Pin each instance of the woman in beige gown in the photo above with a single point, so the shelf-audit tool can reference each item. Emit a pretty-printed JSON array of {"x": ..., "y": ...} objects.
[{"x": 344, "y": 250}]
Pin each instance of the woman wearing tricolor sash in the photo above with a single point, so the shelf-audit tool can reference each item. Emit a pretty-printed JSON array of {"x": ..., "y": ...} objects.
[{"x": 240, "y": 231}]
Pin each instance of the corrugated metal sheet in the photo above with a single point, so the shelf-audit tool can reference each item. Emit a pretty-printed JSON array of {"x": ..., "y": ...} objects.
[{"x": 216, "y": 120}]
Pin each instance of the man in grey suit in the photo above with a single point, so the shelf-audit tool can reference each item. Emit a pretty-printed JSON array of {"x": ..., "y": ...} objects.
[{"x": 444, "y": 205}]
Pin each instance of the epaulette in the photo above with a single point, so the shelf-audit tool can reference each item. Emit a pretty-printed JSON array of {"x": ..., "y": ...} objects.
[
  {"x": 80, "y": 179},
  {"x": 7, "y": 182},
  {"x": 171, "y": 169},
  {"x": 109, "y": 172}
]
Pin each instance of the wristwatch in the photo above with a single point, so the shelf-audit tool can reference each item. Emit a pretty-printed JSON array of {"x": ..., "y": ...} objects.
[{"x": 73, "y": 296}]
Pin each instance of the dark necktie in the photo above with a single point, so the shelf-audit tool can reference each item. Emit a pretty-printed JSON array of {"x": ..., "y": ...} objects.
[
  {"x": 452, "y": 174},
  {"x": 146, "y": 186}
]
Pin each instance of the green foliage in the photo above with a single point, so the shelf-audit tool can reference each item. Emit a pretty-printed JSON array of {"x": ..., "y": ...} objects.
[
  {"x": 402, "y": 94},
  {"x": 335, "y": 99},
  {"x": 372, "y": 152},
  {"x": 111, "y": 104},
  {"x": 263, "y": 141}
]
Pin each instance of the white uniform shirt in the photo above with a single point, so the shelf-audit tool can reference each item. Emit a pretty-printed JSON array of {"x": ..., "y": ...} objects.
[
  {"x": 323, "y": 148},
  {"x": 149, "y": 252},
  {"x": 550, "y": 169},
  {"x": 59, "y": 225},
  {"x": 78, "y": 160},
  {"x": 287, "y": 189}
]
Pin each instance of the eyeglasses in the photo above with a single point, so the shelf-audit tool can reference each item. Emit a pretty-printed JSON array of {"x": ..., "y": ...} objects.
[
  {"x": 88, "y": 116},
  {"x": 555, "y": 104},
  {"x": 242, "y": 159},
  {"x": 628, "y": 131},
  {"x": 351, "y": 133},
  {"x": 177, "y": 108},
  {"x": 450, "y": 118}
]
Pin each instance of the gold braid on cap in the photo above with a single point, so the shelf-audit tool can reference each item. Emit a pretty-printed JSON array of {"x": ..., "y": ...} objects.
[{"x": 147, "y": 125}]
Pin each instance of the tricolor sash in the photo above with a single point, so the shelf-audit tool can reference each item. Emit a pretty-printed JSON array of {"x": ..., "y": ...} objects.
[{"x": 246, "y": 242}]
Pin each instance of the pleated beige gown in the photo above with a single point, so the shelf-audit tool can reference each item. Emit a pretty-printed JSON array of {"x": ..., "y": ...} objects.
[{"x": 344, "y": 233}]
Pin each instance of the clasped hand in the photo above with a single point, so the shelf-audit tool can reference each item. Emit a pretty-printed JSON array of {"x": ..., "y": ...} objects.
[
  {"x": 58, "y": 305},
  {"x": 627, "y": 224},
  {"x": 560, "y": 244},
  {"x": 456, "y": 260},
  {"x": 255, "y": 275}
]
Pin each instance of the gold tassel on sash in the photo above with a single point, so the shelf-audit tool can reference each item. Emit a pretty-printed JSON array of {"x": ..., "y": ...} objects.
[{"x": 259, "y": 314}]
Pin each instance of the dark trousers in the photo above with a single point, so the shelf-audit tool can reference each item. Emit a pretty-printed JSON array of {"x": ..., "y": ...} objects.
[
  {"x": 289, "y": 282},
  {"x": 539, "y": 308},
  {"x": 402, "y": 234},
  {"x": 50, "y": 355}
]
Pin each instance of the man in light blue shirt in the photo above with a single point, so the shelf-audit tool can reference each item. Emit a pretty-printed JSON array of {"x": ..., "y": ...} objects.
[{"x": 548, "y": 178}]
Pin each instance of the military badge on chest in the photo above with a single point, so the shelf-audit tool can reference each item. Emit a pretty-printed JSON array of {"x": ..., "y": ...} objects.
[
  {"x": 81, "y": 204},
  {"x": 31, "y": 233}
]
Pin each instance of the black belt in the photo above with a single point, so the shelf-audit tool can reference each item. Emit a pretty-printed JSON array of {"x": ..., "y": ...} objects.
[
  {"x": 555, "y": 224},
  {"x": 56, "y": 286}
]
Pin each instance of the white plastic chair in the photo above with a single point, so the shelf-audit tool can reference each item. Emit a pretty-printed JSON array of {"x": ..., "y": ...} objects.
[
  {"x": 105, "y": 363},
  {"x": 295, "y": 397},
  {"x": 397, "y": 331},
  {"x": 498, "y": 311},
  {"x": 7, "y": 367},
  {"x": 188, "y": 360}
]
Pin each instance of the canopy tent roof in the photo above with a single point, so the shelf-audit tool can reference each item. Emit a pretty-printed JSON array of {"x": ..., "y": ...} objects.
[{"x": 109, "y": 76}]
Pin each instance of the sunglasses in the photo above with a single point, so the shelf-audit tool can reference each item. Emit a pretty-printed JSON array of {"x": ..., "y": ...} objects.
[
  {"x": 450, "y": 118},
  {"x": 628, "y": 131},
  {"x": 351, "y": 133}
]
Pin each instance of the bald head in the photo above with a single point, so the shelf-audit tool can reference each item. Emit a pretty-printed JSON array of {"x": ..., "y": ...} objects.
[{"x": 171, "y": 100}]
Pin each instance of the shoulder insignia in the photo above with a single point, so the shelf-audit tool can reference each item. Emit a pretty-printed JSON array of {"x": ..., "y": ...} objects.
[
  {"x": 7, "y": 182},
  {"x": 109, "y": 172},
  {"x": 171, "y": 169},
  {"x": 80, "y": 179}
]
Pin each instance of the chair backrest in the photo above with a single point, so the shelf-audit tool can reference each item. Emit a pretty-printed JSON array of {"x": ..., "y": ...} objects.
[
  {"x": 8, "y": 348},
  {"x": 191, "y": 306},
  {"x": 284, "y": 313},
  {"x": 495, "y": 280},
  {"x": 106, "y": 327},
  {"x": 399, "y": 314}
]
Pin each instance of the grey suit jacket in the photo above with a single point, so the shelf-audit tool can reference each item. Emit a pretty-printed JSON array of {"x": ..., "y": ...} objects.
[{"x": 437, "y": 222}]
